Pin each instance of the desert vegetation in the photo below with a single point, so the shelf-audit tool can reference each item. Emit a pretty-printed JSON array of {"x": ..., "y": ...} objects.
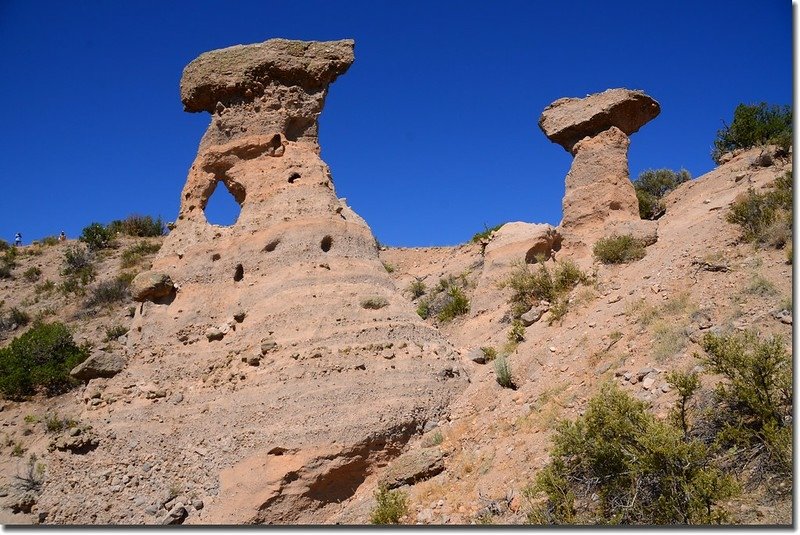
[
  {"x": 98, "y": 236},
  {"x": 390, "y": 507},
  {"x": 753, "y": 125},
  {"x": 39, "y": 360},
  {"x": 619, "y": 464},
  {"x": 619, "y": 249},
  {"x": 447, "y": 300},
  {"x": 652, "y": 185},
  {"x": 544, "y": 284},
  {"x": 766, "y": 218}
]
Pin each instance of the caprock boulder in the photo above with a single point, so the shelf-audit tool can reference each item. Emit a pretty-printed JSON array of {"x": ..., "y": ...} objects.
[{"x": 283, "y": 363}]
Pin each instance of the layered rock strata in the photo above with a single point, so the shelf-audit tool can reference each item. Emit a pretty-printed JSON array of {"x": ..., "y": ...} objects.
[
  {"x": 599, "y": 196},
  {"x": 296, "y": 364}
]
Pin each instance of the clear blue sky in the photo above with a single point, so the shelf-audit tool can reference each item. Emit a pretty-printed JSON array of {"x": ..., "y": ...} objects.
[{"x": 431, "y": 134}]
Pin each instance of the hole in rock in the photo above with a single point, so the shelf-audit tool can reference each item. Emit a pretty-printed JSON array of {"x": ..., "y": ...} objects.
[
  {"x": 215, "y": 257},
  {"x": 326, "y": 243},
  {"x": 239, "y": 273},
  {"x": 271, "y": 245},
  {"x": 222, "y": 208},
  {"x": 615, "y": 205},
  {"x": 293, "y": 177}
]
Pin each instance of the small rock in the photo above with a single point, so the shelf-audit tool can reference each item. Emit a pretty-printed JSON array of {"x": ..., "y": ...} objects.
[
  {"x": 648, "y": 382},
  {"x": 533, "y": 315},
  {"x": 786, "y": 320},
  {"x": 614, "y": 299},
  {"x": 552, "y": 349},
  {"x": 214, "y": 334},
  {"x": 665, "y": 388},
  {"x": 477, "y": 356},
  {"x": 267, "y": 345},
  {"x": 254, "y": 360},
  {"x": 176, "y": 515},
  {"x": 197, "y": 504},
  {"x": 239, "y": 316},
  {"x": 176, "y": 398},
  {"x": 644, "y": 371}
]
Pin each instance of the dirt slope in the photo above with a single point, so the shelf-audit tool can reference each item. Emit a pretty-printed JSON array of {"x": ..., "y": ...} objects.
[{"x": 493, "y": 441}]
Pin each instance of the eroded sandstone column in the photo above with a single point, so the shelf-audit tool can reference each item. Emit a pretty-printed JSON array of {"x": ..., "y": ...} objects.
[
  {"x": 277, "y": 347},
  {"x": 599, "y": 196}
]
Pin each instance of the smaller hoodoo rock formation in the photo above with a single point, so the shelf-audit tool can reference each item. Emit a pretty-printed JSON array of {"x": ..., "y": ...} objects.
[{"x": 599, "y": 195}]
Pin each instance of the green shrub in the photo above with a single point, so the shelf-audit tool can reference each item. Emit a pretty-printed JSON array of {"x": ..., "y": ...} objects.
[
  {"x": 55, "y": 423},
  {"x": 112, "y": 333},
  {"x": 4, "y": 246},
  {"x": 8, "y": 262},
  {"x": 686, "y": 384},
  {"x": 489, "y": 353},
  {"x": 110, "y": 291},
  {"x": 502, "y": 371},
  {"x": 388, "y": 267},
  {"x": 617, "y": 464},
  {"x": 544, "y": 284},
  {"x": 14, "y": 316},
  {"x": 77, "y": 261},
  {"x": 755, "y": 396},
  {"x": 517, "y": 332},
  {"x": 40, "y": 359},
  {"x": 766, "y": 218},
  {"x": 138, "y": 226},
  {"x": 97, "y": 236},
  {"x": 391, "y": 506},
  {"x": 652, "y": 185},
  {"x": 50, "y": 241},
  {"x": 478, "y": 237},
  {"x": 32, "y": 274},
  {"x": 619, "y": 249},
  {"x": 374, "y": 303},
  {"x": 424, "y": 309},
  {"x": 416, "y": 289},
  {"x": 78, "y": 270},
  {"x": 754, "y": 125},
  {"x": 44, "y": 287},
  {"x": 134, "y": 254},
  {"x": 457, "y": 304}
]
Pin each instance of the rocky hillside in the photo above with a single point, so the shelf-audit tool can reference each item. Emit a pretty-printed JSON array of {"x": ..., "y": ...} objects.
[{"x": 285, "y": 368}]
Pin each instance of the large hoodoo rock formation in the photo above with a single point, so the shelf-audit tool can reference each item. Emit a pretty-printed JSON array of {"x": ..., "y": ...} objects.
[
  {"x": 599, "y": 195},
  {"x": 295, "y": 362}
]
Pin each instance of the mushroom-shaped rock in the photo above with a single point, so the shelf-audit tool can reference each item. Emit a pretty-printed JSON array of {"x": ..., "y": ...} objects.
[
  {"x": 278, "y": 86},
  {"x": 151, "y": 285},
  {"x": 568, "y": 120},
  {"x": 243, "y": 72}
]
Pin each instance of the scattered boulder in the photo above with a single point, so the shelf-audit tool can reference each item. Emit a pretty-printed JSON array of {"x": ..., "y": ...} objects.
[
  {"x": 414, "y": 466},
  {"x": 534, "y": 314},
  {"x": 151, "y": 286},
  {"x": 568, "y": 120},
  {"x": 99, "y": 364}
]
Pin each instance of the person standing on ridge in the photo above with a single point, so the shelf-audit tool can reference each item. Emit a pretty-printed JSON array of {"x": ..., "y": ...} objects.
[
  {"x": 18, "y": 239},
  {"x": 62, "y": 236}
]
